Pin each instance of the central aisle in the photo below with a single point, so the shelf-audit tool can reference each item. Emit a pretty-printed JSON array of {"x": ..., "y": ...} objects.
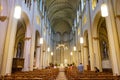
[{"x": 61, "y": 75}]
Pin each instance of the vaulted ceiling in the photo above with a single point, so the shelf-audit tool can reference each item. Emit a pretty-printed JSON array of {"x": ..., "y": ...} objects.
[{"x": 61, "y": 14}]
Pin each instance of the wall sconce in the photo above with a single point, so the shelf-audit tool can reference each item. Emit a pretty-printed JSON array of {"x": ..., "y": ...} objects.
[
  {"x": 51, "y": 53},
  {"x": 65, "y": 60},
  {"x": 71, "y": 53},
  {"x": 17, "y": 12},
  {"x": 74, "y": 48},
  {"x": 41, "y": 40},
  {"x": 104, "y": 10},
  {"x": 81, "y": 40},
  {"x": 48, "y": 49},
  {"x": 66, "y": 48}
]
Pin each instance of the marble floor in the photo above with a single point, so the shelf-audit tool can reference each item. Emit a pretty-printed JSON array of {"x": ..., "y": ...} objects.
[{"x": 61, "y": 75}]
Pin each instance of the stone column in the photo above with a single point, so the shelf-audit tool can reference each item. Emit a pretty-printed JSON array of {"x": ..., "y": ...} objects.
[
  {"x": 37, "y": 57},
  {"x": 82, "y": 54},
  {"x": 48, "y": 56},
  {"x": 27, "y": 54},
  {"x": 80, "y": 58},
  {"x": 98, "y": 60},
  {"x": 32, "y": 47},
  {"x": 62, "y": 55},
  {"x": 90, "y": 36},
  {"x": 9, "y": 47},
  {"x": 91, "y": 50},
  {"x": 85, "y": 57},
  {"x": 48, "y": 59},
  {"x": 44, "y": 58},
  {"x": 113, "y": 39},
  {"x": 73, "y": 57},
  {"x": 41, "y": 58},
  {"x": 79, "y": 53},
  {"x": 6, "y": 65}
]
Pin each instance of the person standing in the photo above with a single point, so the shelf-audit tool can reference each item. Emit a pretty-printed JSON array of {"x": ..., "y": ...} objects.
[{"x": 80, "y": 67}]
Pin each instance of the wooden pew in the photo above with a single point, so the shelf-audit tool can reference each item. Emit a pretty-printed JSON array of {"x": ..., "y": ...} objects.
[
  {"x": 44, "y": 74},
  {"x": 74, "y": 74}
]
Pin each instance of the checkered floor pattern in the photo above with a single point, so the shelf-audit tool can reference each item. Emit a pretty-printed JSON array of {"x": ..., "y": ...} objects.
[{"x": 61, "y": 75}]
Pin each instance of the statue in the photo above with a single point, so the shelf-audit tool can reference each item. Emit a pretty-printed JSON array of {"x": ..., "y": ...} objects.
[
  {"x": 105, "y": 53},
  {"x": 19, "y": 50}
]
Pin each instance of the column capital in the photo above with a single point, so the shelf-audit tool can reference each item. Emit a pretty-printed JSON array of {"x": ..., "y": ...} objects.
[
  {"x": 3, "y": 18},
  {"x": 43, "y": 50},
  {"x": 79, "y": 50},
  {"x": 96, "y": 38},
  {"x": 85, "y": 46},
  {"x": 27, "y": 38},
  {"x": 37, "y": 46}
]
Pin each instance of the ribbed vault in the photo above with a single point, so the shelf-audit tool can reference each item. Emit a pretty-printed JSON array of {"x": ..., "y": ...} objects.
[{"x": 61, "y": 14}]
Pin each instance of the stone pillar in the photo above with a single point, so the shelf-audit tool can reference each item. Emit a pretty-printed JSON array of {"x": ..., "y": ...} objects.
[
  {"x": 44, "y": 58},
  {"x": 37, "y": 57},
  {"x": 32, "y": 47},
  {"x": 41, "y": 58},
  {"x": 90, "y": 37},
  {"x": 9, "y": 46},
  {"x": 82, "y": 54},
  {"x": 98, "y": 60},
  {"x": 27, "y": 48},
  {"x": 52, "y": 57},
  {"x": 62, "y": 55},
  {"x": 80, "y": 58},
  {"x": 46, "y": 63},
  {"x": 27, "y": 54},
  {"x": 91, "y": 51},
  {"x": 48, "y": 56},
  {"x": 85, "y": 57},
  {"x": 73, "y": 57},
  {"x": 6, "y": 64},
  {"x": 113, "y": 39}
]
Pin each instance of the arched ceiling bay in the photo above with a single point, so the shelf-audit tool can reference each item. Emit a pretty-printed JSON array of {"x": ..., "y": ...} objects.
[{"x": 61, "y": 14}]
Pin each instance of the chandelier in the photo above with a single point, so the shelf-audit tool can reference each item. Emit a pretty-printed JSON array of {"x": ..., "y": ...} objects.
[{"x": 61, "y": 45}]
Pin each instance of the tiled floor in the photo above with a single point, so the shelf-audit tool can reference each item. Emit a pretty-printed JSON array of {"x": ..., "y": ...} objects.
[{"x": 61, "y": 75}]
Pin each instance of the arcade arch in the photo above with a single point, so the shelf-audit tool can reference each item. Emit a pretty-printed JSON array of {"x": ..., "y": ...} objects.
[
  {"x": 104, "y": 45},
  {"x": 101, "y": 44}
]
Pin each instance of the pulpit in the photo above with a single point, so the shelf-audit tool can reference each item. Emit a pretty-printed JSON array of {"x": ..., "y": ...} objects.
[{"x": 18, "y": 64}]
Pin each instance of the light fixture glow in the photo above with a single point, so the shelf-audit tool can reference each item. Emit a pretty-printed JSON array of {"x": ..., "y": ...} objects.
[
  {"x": 17, "y": 12},
  {"x": 81, "y": 40},
  {"x": 74, "y": 48},
  {"x": 71, "y": 53},
  {"x": 51, "y": 53},
  {"x": 66, "y": 48},
  {"x": 65, "y": 60},
  {"x": 104, "y": 10},
  {"x": 41, "y": 40},
  {"x": 48, "y": 49}
]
